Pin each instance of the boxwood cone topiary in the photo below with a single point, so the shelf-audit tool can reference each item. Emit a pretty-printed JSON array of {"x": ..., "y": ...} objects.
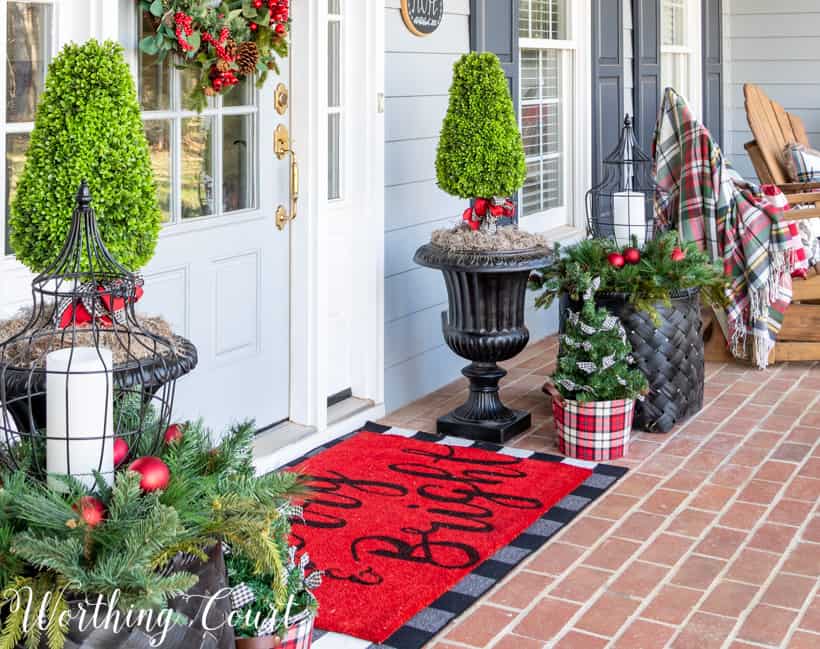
[
  {"x": 87, "y": 125},
  {"x": 480, "y": 153}
]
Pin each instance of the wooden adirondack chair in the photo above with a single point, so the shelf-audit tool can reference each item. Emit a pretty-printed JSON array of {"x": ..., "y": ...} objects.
[{"x": 773, "y": 129}]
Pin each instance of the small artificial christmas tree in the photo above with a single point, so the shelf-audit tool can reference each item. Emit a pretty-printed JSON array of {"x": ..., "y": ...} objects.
[
  {"x": 87, "y": 126},
  {"x": 480, "y": 152},
  {"x": 595, "y": 362}
]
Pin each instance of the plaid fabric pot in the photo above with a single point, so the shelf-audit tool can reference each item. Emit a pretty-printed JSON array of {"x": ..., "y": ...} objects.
[
  {"x": 594, "y": 431},
  {"x": 298, "y": 636}
]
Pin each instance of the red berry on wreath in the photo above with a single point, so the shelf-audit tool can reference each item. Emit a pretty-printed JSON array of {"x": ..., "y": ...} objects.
[
  {"x": 616, "y": 259},
  {"x": 120, "y": 450},
  {"x": 678, "y": 255},
  {"x": 154, "y": 472},
  {"x": 280, "y": 29},
  {"x": 173, "y": 434},
  {"x": 257, "y": 3},
  {"x": 91, "y": 510},
  {"x": 253, "y": 27},
  {"x": 632, "y": 256}
]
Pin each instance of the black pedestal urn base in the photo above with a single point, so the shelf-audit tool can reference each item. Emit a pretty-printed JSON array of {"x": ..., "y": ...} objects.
[{"x": 484, "y": 323}]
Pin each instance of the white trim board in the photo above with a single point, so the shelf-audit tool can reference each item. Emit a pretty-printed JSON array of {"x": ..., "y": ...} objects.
[{"x": 310, "y": 282}]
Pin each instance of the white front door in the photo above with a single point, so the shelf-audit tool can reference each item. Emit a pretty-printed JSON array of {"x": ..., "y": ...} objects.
[{"x": 220, "y": 274}]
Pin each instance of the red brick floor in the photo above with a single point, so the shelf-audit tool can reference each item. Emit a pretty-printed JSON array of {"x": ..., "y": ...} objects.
[{"x": 712, "y": 540}]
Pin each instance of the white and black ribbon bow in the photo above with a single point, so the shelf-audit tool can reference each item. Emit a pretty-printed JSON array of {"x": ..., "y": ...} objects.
[
  {"x": 592, "y": 289},
  {"x": 241, "y": 596}
]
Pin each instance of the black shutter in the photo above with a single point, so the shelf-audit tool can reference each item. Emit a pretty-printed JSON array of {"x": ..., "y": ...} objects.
[
  {"x": 713, "y": 68},
  {"x": 494, "y": 28},
  {"x": 646, "y": 16},
  {"x": 607, "y": 80}
]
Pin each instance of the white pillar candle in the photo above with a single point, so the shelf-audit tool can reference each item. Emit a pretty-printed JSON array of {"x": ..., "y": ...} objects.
[
  {"x": 629, "y": 217},
  {"x": 80, "y": 414}
]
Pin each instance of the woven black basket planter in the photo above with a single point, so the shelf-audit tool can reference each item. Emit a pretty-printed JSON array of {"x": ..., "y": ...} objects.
[
  {"x": 670, "y": 355},
  {"x": 211, "y": 633}
]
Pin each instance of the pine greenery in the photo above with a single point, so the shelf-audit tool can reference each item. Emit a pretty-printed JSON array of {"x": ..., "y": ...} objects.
[
  {"x": 594, "y": 363},
  {"x": 480, "y": 152},
  {"x": 648, "y": 283},
  {"x": 87, "y": 126},
  {"x": 213, "y": 496}
]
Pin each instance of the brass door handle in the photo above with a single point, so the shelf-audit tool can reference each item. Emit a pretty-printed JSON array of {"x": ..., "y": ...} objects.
[{"x": 282, "y": 147}]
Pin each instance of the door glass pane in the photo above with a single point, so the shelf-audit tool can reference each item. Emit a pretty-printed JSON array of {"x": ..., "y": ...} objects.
[
  {"x": 334, "y": 56},
  {"x": 334, "y": 134},
  {"x": 158, "y": 133},
  {"x": 28, "y": 40},
  {"x": 242, "y": 94},
  {"x": 197, "y": 167},
  {"x": 155, "y": 77},
  {"x": 16, "y": 147},
  {"x": 188, "y": 81},
  {"x": 237, "y": 163}
]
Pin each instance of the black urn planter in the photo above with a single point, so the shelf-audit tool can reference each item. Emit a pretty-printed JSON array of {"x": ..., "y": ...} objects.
[
  {"x": 484, "y": 324},
  {"x": 670, "y": 354}
]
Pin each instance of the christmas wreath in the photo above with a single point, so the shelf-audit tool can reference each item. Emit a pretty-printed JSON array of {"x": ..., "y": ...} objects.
[{"x": 224, "y": 42}]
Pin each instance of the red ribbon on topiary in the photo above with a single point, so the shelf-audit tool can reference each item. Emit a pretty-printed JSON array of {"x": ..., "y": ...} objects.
[{"x": 484, "y": 207}]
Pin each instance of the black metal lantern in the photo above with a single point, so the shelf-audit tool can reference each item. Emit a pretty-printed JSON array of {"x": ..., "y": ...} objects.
[
  {"x": 622, "y": 205},
  {"x": 84, "y": 370}
]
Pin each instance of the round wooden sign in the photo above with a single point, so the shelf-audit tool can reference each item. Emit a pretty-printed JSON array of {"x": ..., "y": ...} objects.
[{"x": 422, "y": 17}]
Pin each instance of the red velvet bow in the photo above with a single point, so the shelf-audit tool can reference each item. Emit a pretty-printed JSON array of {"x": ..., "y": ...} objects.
[{"x": 483, "y": 207}]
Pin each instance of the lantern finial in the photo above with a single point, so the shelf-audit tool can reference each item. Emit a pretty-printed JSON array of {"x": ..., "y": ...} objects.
[{"x": 83, "y": 195}]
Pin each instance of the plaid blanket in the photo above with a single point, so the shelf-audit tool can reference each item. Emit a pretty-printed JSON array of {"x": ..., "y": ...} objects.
[{"x": 711, "y": 204}]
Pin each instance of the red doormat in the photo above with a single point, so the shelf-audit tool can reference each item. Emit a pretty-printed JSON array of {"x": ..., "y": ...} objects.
[{"x": 412, "y": 528}]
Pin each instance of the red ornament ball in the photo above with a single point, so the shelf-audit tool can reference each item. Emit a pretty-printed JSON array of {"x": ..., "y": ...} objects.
[
  {"x": 173, "y": 434},
  {"x": 120, "y": 450},
  {"x": 678, "y": 255},
  {"x": 91, "y": 510},
  {"x": 616, "y": 259},
  {"x": 632, "y": 256},
  {"x": 154, "y": 472}
]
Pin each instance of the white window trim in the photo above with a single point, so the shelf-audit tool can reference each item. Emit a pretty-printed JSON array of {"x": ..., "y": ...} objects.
[
  {"x": 577, "y": 122},
  {"x": 693, "y": 35}
]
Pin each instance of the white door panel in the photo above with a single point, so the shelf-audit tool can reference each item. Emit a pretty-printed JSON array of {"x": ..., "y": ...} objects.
[{"x": 220, "y": 274}]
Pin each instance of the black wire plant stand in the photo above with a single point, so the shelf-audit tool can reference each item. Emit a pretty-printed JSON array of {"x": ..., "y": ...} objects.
[
  {"x": 84, "y": 308},
  {"x": 622, "y": 205}
]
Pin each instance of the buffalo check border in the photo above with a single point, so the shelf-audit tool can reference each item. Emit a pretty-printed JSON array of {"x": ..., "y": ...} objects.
[{"x": 427, "y": 623}]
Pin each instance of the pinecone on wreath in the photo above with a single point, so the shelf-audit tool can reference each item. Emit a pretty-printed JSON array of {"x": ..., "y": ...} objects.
[
  {"x": 247, "y": 55},
  {"x": 230, "y": 49}
]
